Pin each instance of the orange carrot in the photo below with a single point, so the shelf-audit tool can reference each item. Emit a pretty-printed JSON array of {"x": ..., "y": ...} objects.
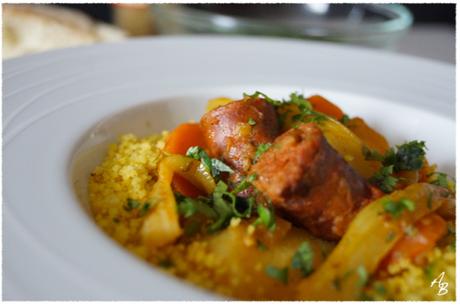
[
  {"x": 184, "y": 136},
  {"x": 186, "y": 188},
  {"x": 368, "y": 135},
  {"x": 427, "y": 232},
  {"x": 325, "y": 106}
]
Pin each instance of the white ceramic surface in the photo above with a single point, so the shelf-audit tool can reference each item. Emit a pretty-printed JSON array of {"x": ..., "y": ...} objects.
[{"x": 61, "y": 108}]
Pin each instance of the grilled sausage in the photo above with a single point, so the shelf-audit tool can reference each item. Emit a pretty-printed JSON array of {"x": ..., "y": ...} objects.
[
  {"x": 310, "y": 182},
  {"x": 233, "y": 131}
]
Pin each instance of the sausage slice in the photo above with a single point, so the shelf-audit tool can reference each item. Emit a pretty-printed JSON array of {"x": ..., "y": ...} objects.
[
  {"x": 311, "y": 183},
  {"x": 233, "y": 131}
]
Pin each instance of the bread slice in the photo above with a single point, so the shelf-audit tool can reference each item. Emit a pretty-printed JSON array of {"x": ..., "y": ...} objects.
[{"x": 29, "y": 28}]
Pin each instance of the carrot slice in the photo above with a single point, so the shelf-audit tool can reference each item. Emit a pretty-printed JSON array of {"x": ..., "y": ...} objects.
[
  {"x": 184, "y": 187},
  {"x": 428, "y": 231},
  {"x": 368, "y": 135},
  {"x": 325, "y": 106},
  {"x": 184, "y": 136}
]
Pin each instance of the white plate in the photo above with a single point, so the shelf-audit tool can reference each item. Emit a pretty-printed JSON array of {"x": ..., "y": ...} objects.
[{"x": 59, "y": 105}]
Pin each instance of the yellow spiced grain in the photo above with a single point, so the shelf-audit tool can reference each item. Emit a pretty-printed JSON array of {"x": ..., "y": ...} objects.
[
  {"x": 129, "y": 171},
  {"x": 410, "y": 282}
]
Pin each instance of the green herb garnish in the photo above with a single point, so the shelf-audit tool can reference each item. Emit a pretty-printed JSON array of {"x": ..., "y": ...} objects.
[
  {"x": 244, "y": 183},
  {"x": 187, "y": 207},
  {"x": 362, "y": 274},
  {"x": 261, "y": 149},
  {"x": 440, "y": 179},
  {"x": 395, "y": 208},
  {"x": 307, "y": 114},
  {"x": 223, "y": 201},
  {"x": 384, "y": 179},
  {"x": 145, "y": 209},
  {"x": 303, "y": 259},
  {"x": 266, "y": 217},
  {"x": 406, "y": 157},
  {"x": 409, "y": 156},
  {"x": 131, "y": 204},
  {"x": 280, "y": 274},
  {"x": 251, "y": 121},
  {"x": 212, "y": 165},
  {"x": 345, "y": 119},
  {"x": 243, "y": 208},
  {"x": 258, "y": 95},
  {"x": 218, "y": 166}
]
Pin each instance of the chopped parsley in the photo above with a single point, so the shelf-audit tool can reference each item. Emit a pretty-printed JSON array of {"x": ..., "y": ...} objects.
[
  {"x": 395, "y": 208},
  {"x": 384, "y": 179},
  {"x": 371, "y": 154},
  {"x": 409, "y": 156},
  {"x": 145, "y": 209},
  {"x": 223, "y": 201},
  {"x": 429, "y": 270},
  {"x": 406, "y": 157},
  {"x": 280, "y": 274},
  {"x": 251, "y": 121},
  {"x": 261, "y": 149},
  {"x": 220, "y": 207},
  {"x": 345, "y": 119},
  {"x": 306, "y": 111},
  {"x": 187, "y": 207},
  {"x": 218, "y": 166},
  {"x": 307, "y": 114},
  {"x": 212, "y": 165},
  {"x": 337, "y": 281},
  {"x": 266, "y": 217},
  {"x": 442, "y": 180},
  {"x": 243, "y": 208},
  {"x": 261, "y": 95},
  {"x": 131, "y": 204},
  {"x": 362, "y": 274},
  {"x": 303, "y": 259},
  {"x": 142, "y": 208},
  {"x": 244, "y": 183}
]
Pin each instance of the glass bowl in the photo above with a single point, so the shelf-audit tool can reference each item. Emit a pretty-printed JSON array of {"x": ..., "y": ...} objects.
[{"x": 376, "y": 25}]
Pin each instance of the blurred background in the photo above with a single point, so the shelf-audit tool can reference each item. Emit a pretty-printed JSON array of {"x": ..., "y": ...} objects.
[{"x": 426, "y": 30}]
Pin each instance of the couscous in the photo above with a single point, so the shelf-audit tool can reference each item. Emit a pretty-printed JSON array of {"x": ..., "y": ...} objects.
[{"x": 282, "y": 200}]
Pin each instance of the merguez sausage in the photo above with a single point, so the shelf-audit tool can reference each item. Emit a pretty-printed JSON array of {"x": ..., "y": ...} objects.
[
  {"x": 311, "y": 183},
  {"x": 235, "y": 130}
]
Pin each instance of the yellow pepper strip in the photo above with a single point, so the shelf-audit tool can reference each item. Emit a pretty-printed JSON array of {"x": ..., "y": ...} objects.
[
  {"x": 161, "y": 226},
  {"x": 349, "y": 146},
  {"x": 215, "y": 103},
  {"x": 344, "y": 141},
  {"x": 370, "y": 137},
  {"x": 370, "y": 236}
]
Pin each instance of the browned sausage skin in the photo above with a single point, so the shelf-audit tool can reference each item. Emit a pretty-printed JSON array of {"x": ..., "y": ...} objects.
[
  {"x": 310, "y": 182},
  {"x": 233, "y": 131}
]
